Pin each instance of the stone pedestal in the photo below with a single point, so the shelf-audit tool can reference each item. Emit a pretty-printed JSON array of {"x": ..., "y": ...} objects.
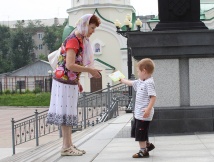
[
  {"x": 172, "y": 44},
  {"x": 183, "y": 76},
  {"x": 175, "y": 120}
]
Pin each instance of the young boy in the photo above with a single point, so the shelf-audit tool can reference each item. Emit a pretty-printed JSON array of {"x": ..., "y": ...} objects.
[{"x": 145, "y": 100}]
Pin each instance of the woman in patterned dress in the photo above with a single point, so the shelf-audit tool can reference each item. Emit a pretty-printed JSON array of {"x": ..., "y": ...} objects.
[{"x": 76, "y": 56}]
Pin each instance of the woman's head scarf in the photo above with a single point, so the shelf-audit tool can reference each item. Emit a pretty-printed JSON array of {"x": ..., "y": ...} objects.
[{"x": 82, "y": 27}]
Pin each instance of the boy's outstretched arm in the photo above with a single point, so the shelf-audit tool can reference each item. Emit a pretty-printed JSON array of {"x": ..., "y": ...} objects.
[{"x": 127, "y": 82}]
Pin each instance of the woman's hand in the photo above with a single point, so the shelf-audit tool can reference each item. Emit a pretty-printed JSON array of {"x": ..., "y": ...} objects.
[{"x": 95, "y": 73}]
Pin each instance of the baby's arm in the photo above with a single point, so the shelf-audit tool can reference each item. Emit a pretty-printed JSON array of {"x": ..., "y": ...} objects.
[{"x": 127, "y": 82}]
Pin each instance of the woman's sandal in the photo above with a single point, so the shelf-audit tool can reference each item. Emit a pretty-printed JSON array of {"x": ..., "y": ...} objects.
[
  {"x": 71, "y": 151},
  {"x": 83, "y": 151}
]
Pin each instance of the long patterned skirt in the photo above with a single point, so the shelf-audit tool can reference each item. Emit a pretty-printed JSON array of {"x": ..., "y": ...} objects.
[{"x": 63, "y": 104}]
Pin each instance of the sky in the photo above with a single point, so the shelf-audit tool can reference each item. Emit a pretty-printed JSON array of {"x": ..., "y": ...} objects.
[{"x": 45, "y": 9}]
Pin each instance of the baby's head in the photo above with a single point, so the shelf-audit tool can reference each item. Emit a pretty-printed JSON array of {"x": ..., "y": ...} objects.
[{"x": 145, "y": 67}]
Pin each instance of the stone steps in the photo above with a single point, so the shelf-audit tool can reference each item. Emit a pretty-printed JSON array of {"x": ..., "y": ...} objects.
[{"x": 50, "y": 151}]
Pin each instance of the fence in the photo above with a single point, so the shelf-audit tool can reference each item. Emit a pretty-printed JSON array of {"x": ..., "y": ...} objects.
[
  {"x": 93, "y": 108},
  {"x": 31, "y": 127},
  {"x": 21, "y": 84},
  {"x": 1, "y": 91}
]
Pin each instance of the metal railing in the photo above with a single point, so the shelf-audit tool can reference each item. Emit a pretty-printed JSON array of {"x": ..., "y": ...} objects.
[
  {"x": 93, "y": 108},
  {"x": 112, "y": 112},
  {"x": 30, "y": 128}
]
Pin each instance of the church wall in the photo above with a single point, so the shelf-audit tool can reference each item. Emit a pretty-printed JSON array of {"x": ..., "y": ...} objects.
[
  {"x": 78, "y": 3},
  {"x": 74, "y": 16},
  {"x": 113, "y": 14},
  {"x": 110, "y": 51},
  {"x": 209, "y": 14},
  {"x": 110, "y": 14},
  {"x": 124, "y": 63}
]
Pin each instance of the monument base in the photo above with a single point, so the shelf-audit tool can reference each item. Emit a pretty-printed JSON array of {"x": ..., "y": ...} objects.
[
  {"x": 176, "y": 120},
  {"x": 179, "y": 26},
  {"x": 172, "y": 44}
]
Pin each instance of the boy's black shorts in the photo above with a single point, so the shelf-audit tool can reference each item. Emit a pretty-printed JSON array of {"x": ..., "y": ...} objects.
[{"x": 140, "y": 129}]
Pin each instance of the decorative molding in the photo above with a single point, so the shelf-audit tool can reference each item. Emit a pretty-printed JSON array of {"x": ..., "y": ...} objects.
[
  {"x": 120, "y": 10},
  {"x": 75, "y": 13},
  {"x": 99, "y": 6},
  {"x": 104, "y": 64}
]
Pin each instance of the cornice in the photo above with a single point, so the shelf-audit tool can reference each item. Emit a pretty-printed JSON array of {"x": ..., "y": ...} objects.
[{"x": 100, "y": 6}]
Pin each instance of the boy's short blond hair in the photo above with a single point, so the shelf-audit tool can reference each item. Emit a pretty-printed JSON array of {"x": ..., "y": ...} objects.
[{"x": 146, "y": 64}]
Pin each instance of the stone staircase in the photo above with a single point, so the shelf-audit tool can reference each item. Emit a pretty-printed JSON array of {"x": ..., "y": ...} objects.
[
  {"x": 50, "y": 151},
  {"x": 110, "y": 142}
]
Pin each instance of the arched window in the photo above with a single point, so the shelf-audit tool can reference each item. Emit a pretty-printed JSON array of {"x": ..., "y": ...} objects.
[{"x": 97, "y": 47}]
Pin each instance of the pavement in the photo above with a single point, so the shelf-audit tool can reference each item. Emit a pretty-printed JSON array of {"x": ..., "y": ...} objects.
[{"x": 111, "y": 142}]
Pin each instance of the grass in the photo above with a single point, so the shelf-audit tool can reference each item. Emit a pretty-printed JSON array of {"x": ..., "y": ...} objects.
[{"x": 29, "y": 99}]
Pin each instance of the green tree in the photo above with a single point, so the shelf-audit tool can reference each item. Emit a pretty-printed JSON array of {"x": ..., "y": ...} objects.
[
  {"x": 49, "y": 38},
  {"x": 43, "y": 57},
  {"x": 17, "y": 45},
  {"x": 22, "y": 42},
  {"x": 22, "y": 46},
  {"x": 33, "y": 26},
  {"x": 53, "y": 36},
  {"x": 5, "y": 59}
]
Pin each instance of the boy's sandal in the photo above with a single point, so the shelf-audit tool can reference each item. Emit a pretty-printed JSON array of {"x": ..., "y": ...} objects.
[
  {"x": 141, "y": 154},
  {"x": 83, "y": 151},
  {"x": 149, "y": 146},
  {"x": 70, "y": 152}
]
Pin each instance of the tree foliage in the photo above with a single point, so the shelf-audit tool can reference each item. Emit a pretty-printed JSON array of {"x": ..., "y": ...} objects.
[
  {"x": 17, "y": 45},
  {"x": 43, "y": 57},
  {"x": 53, "y": 36},
  {"x": 5, "y": 59},
  {"x": 22, "y": 45}
]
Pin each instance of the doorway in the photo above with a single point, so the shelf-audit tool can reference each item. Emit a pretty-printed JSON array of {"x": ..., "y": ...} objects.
[{"x": 96, "y": 84}]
